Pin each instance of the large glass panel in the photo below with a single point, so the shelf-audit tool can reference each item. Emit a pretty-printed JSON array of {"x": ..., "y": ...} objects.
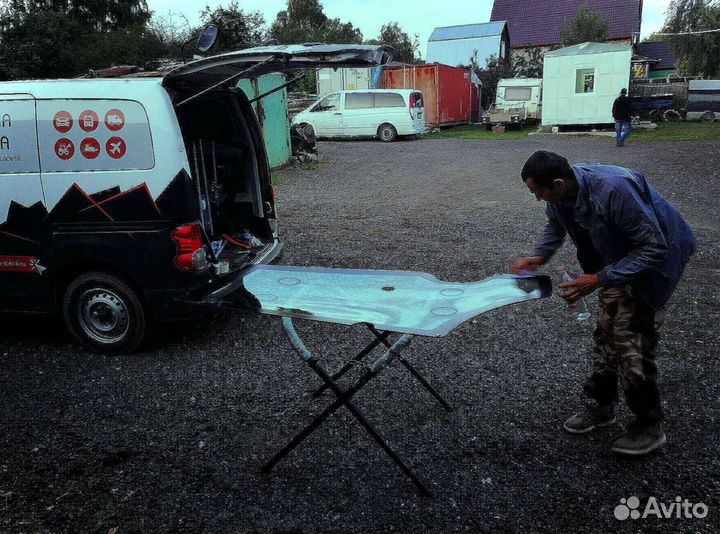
[{"x": 407, "y": 302}]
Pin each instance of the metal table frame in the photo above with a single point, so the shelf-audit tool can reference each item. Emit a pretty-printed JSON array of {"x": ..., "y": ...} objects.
[{"x": 344, "y": 396}]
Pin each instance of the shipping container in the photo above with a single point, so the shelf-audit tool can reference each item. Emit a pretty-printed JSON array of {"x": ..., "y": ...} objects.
[
  {"x": 447, "y": 91},
  {"x": 345, "y": 79}
]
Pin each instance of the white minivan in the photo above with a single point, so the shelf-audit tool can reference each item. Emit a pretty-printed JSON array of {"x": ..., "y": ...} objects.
[{"x": 382, "y": 113}]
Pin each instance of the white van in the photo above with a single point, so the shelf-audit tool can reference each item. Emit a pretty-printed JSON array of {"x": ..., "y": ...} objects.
[
  {"x": 127, "y": 201},
  {"x": 382, "y": 113}
]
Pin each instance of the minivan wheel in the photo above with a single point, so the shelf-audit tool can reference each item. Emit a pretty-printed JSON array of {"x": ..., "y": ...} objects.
[
  {"x": 708, "y": 117},
  {"x": 104, "y": 313},
  {"x": 387, "y": 133}
]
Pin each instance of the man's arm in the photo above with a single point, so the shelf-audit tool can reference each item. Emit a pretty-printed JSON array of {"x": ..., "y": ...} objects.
[
  {"x": 636, "y": 222},
  {"x": 552, "y": 237}
]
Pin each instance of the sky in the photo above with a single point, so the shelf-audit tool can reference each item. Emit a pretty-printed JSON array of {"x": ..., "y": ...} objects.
[{"x": 414, "y": 16}]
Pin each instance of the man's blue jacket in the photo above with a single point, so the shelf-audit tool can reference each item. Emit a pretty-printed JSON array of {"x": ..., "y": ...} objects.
[{"x": 624, "y": 231}]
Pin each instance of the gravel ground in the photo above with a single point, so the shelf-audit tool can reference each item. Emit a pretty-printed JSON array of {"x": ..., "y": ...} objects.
[{"x": 171, "y": 440}]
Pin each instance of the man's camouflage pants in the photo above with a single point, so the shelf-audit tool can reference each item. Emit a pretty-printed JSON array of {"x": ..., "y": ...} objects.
[{"x": 625, "y": 340}]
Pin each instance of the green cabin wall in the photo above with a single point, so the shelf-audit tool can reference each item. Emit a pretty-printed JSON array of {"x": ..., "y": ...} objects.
[{"x": 272, "y": 114}]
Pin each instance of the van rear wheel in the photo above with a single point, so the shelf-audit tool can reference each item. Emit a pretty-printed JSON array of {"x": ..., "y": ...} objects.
[
  {"x": 387, "y": 133},
  {"x": 105, "y": 313}
]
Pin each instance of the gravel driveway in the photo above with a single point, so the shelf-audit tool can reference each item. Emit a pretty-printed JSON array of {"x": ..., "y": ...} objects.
[{"x": 171, "y": 440}]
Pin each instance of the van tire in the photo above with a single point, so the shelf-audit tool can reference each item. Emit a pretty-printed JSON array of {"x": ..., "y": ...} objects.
[
  {"x": 708, "y": 117},
  {"x": 104, "y": 313},
  {"x": 387, "y": 133}
]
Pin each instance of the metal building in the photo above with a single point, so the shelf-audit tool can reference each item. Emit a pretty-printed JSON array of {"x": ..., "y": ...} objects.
[{"x": 457, "y": 45}]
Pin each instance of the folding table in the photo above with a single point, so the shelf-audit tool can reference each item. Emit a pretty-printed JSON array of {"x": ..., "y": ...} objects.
[{"x": 387, "y": 302}]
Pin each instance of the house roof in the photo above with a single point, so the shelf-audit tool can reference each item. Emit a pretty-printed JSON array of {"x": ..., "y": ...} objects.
[
  {"x": 587, "y": 48},
  {"x": 468, "y": 31},
  {"x": 538, "y": 22},
  {"x": 660, "y": 50}
]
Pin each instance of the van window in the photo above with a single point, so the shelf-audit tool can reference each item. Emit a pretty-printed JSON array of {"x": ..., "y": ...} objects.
[
  {"x": 329, "y": 103},
  {"x": 18, "y": 137},
  {"x": 93, "y": 135},
  {"x": 518, "y": 93},
  {"x": 389, "y": 100},
  {"x": 358, "y": 100},
  {"x": 417, "y": 100}
]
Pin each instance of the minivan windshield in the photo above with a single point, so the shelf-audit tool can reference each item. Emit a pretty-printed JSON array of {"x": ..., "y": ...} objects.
[{"x": 329, "y": 103}]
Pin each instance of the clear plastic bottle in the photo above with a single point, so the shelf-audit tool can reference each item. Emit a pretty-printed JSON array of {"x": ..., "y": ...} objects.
[{"x": 579, "y": 308}]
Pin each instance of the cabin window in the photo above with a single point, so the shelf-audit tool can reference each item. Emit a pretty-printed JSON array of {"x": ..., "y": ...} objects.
[
  {"x": 516, "y": 94},
  {"x": 585, "y": 81}
]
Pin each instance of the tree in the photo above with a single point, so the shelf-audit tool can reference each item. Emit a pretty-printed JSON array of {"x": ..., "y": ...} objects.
[
  {"x": 392, "y": 35},
  {"x": 697, "y": 54},
  {"x": 528, "y": 64},
  {"x": 61, "y": 38},
  {"x": 238, "y": 29},
  {"x": 494, "y": 70},
  {"x": 305, "y": 21},
  {"x": 587, "y": 26}
]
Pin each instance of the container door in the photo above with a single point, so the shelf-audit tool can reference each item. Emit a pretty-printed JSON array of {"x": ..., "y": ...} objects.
[{"x": 21, "y": 199}]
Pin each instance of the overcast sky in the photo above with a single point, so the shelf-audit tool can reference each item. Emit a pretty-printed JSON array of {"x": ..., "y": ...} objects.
[{"x": 414, "y": 16}]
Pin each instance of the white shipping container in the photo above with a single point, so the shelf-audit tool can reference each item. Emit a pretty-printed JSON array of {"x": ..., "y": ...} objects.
[
  {"x": 345, "y": 79},
  {"x": 581, "y": 82}
]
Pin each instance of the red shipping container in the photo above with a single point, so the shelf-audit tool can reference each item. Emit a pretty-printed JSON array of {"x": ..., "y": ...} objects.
[{"x": 447, "y": 91}]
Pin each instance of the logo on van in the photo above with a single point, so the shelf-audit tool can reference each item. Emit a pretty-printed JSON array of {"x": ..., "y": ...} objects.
[
  {"x": 63, "y": 121},
  {"x": 115, "y": 147},
  {"x": 89, "y": 120},
  {"x": 114, "y": 120},
  {"x": 64, "y": 149},
  {"x": 90, "y": 148},
  {"x": 6, "y": 121}
]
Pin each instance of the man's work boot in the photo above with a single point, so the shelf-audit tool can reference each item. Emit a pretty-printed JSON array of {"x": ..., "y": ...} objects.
[
  {"x": 595, "y": 415},
  {"x": 639, "y": 438}
]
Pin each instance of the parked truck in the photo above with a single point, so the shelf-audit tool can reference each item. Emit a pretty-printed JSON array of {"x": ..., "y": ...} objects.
[{"x": 518, "y": 102}]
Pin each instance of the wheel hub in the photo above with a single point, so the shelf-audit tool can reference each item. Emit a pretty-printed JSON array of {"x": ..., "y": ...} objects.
[{"x": 103, "y": 315}]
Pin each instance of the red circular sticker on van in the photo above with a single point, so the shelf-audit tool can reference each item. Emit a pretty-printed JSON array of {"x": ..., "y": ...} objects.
[
  {"x": 63, "y": 121},
  {"x": 114, "y": 120},
  {"x": 64, "y": 149},
  {"x": 115, "y": 147},
  {"x": 89, "y": 120},
  {"x": 90, "y": 148}
]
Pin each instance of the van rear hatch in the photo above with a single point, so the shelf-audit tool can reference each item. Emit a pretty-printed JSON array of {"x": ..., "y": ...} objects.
[{"x": 226, "y": 69}]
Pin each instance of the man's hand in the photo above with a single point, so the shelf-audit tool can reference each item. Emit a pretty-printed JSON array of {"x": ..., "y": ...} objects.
[
  {"x": 529, "y": 263},
  {"x": 581, "y": 286}
]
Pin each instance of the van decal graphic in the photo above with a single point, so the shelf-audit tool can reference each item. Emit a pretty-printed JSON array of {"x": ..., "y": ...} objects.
[
  {"x": 20, "y": 264},
  {"x": 27, "y": 231}
]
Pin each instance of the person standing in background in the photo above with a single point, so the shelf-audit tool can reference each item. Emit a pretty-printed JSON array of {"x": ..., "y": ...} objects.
[{"x": 622, "y": 113}]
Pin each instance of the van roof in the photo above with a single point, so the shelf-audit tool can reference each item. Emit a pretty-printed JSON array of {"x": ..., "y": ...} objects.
[{"x": 81, "y": 87}]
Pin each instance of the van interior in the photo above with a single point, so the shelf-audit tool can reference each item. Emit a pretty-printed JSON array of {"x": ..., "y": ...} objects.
[{"x": 227, "y": 175}]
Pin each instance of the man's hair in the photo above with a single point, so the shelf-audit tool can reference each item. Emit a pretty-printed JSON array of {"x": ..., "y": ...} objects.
[{"x": 544, "y": 167}]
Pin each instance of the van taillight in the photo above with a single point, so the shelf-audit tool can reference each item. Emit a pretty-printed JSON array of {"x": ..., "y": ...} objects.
[
  {"x": 412, "y": 105},
  {"x": 190, "y": 251}
]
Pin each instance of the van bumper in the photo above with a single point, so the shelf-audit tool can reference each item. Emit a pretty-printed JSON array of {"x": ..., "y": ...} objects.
[{"x": 169, "y": 305}]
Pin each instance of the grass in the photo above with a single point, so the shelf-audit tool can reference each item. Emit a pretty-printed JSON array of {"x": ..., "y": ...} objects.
[
  {"x": 679, "y": 131},
  {"x": 480, "y": 133}
]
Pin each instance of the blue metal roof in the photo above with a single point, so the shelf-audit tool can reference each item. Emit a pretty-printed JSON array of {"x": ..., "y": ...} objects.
[{"x": 468, "y": 31}]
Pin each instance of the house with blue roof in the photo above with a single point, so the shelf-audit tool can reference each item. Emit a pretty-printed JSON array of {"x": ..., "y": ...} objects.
[{"x": 458, "y": 45}]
